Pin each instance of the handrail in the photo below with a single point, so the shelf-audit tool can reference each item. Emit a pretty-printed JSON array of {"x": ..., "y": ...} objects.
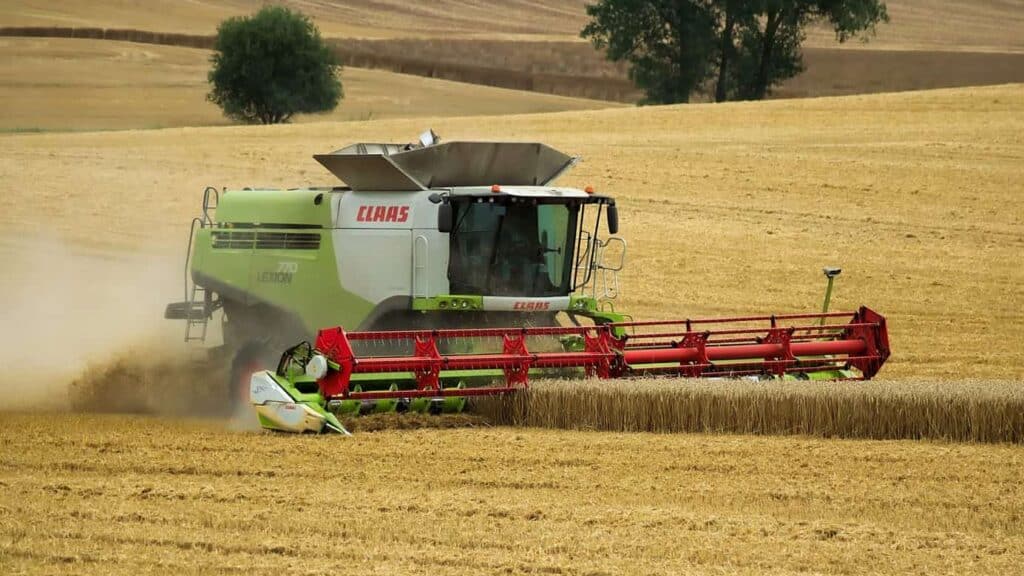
[{"x": 207, "y": 220}]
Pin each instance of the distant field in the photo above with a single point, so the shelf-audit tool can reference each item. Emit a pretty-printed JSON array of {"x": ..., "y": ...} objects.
[
  {"x": 72, "y": 84},
  {"x": 837, "y": 71},
  {"x": 975, "y": 25},
  {"x": 728, "y": 209},
  {"x": 534, "y": 46},
  {"x": 987, "y": 25},
  {"x": 354, "y": 18},
  {"x": 576, "y": 69}
]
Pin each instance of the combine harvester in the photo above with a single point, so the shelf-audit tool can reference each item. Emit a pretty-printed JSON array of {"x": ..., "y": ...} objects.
[{"x": 465, "y": 273}]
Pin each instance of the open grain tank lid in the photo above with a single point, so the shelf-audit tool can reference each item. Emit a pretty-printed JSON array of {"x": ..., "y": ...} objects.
[{"x": 383, "y": 167}]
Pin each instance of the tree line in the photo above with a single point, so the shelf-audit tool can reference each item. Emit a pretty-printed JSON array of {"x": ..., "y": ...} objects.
[
  {"x": 733, "y": 49},
  {"x": 274, "y": 64}
]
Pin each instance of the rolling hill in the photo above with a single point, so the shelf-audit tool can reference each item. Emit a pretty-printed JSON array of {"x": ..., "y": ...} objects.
[
  {"x": 981, "y": 25},
  {"x": 72, "y": 84}
]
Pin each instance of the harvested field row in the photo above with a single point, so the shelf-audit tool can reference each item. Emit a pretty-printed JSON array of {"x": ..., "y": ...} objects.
[
  {"x": 911, "y": 409},
  {"x": 130, "y": 495}
]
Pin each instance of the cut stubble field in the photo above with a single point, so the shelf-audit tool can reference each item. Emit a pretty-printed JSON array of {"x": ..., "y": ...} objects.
[{"x": 123, "y": 495}]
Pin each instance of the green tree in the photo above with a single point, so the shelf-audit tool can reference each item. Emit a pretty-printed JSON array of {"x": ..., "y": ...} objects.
[
  {"x": 272, "y": 65},
  {"x": 668, "y": 43},
  {"x": 748, "y": 45},
  {"x": 769, "y": 42}
]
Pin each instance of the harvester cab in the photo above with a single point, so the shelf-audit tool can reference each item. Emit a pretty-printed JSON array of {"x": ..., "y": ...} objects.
[{"x": 502, "y": 238}]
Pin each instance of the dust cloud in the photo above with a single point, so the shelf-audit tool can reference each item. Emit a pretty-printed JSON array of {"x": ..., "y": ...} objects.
[{"x": 83, "y": 329}]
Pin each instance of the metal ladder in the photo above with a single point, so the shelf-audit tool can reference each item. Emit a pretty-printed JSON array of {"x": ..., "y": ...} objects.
[
  {"x": 601, "y": 277},
  {"x": 198, "y": 299}
]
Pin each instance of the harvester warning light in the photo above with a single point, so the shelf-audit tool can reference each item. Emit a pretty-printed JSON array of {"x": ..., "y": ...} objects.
[
  {"x": 589, "y": 189},
  {"x": 495, "y": 188}
]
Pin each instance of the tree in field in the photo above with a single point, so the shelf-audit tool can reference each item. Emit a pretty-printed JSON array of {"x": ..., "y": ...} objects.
[
  {"x": 272, "y": 65},
  {"x": 747, "y": 46},
  {"x": 669, "y": 44}
]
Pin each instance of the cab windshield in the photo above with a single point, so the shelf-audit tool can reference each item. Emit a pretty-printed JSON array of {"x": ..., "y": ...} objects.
[{"x": 511, "y": 248}]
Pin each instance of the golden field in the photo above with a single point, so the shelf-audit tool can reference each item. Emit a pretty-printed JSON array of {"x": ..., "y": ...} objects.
[
  {"x": 928, "y": 45},
  {"x": 728, "y": 209},
  {"x": 532, "y": 46},
  {"x": 60, "y": 84},
  {"x": 128, "y": 495}
]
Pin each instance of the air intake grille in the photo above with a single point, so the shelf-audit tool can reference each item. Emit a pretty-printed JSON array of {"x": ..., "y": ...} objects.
[{"x": 247, "y": 239}]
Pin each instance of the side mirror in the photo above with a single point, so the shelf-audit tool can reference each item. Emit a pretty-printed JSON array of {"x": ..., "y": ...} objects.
[
  {"x": 444, "y": 218},
  {"x": 613, "y": 219}
]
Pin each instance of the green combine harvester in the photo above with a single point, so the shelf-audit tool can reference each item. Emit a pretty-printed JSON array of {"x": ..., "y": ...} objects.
[{"x": 461, "y": 270}]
